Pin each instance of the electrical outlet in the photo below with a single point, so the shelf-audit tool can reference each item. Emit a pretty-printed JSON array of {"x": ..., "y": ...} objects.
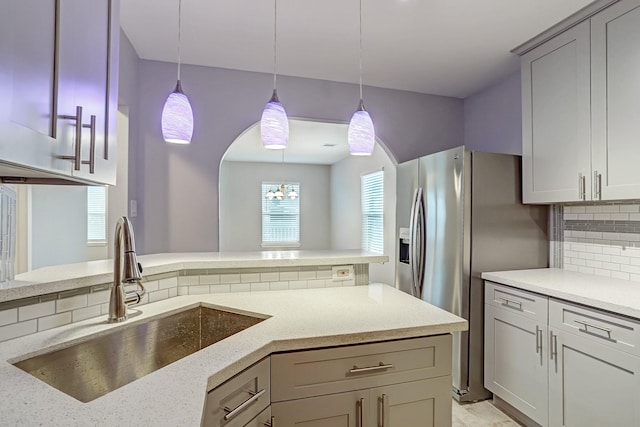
[{"x": 342, "y": 272}]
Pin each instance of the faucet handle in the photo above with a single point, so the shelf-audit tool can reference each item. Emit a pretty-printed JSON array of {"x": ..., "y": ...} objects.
[{"x": 140, "y": 267}]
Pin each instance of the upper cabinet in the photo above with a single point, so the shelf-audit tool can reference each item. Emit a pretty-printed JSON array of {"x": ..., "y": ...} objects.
[
  {"x": 58, "y": 90},
  {"x": 580, "y": 104},
  {"x": 615, "y": 101}
]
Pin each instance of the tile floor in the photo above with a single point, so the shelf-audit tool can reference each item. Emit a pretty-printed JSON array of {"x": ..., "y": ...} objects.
[{"x": 480, "y": 414}]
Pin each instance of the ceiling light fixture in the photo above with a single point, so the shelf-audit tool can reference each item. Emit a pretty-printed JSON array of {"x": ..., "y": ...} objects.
[
  {"x": 361, "y": 135},
  {"x": 177, "y": 115},
  {"x": 274, "y": 125}
]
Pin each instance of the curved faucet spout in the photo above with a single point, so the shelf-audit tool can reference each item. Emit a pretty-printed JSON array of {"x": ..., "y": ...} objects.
[{"x": 126, "y": 269}]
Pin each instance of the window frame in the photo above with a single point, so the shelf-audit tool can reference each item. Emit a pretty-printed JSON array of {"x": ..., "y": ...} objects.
[
  {"x": 102, "y": 241},
  {"x": 265, "y": 186},
  {"x": 368, "y": 242}
]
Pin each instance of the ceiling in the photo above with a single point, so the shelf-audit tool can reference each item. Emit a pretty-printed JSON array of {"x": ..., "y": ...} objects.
[
  {"x": 443, "y": 47},
  {"x": 310, "y": 142}
]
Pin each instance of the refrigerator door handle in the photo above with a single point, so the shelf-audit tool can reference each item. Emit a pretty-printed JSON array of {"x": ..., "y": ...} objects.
[
  {"x": 422, "y": 230},
  {"x": 413, "y": 255}
]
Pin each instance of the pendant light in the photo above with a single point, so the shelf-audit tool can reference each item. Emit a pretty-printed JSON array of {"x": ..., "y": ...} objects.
[
  {"x": 361, "y": 135},
  {"x": 274, "y": 125},
  {"x": 177, "y": 116}
]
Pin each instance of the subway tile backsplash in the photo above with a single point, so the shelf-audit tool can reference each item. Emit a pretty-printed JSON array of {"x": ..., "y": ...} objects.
[
  {"x": 602, "y": 239},
  {"x": 34, "y": 314}
]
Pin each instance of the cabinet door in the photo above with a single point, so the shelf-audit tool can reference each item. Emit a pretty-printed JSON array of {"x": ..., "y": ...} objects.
[
  {"x": 556, "y": 148},
  {"x": 27, "y": 51},
  {"x": 415, "y": 404},
  {"x": 515, "y": 361},
  {"x": 83, "y": 80},
  {"x": 591, "y": 384},
  {"x": 615, "y": 67},
  {"x": 333, "y": 410}
]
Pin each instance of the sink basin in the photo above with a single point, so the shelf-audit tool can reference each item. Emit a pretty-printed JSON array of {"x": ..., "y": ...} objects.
[{"x": 100, "y": 365}]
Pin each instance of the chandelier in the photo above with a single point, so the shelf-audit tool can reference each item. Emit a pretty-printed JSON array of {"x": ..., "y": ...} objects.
[{"x": 280, "y": 191}]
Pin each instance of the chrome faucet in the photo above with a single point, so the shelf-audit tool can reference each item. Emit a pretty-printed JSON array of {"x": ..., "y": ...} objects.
[{"x": 127, "y": 271}]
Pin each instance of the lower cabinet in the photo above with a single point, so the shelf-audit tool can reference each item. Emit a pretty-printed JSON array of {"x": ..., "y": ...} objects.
[
  {"x": 594, "y": 370},
  {"x": 401, "y": 383},
  {"x": 418, "y": 403},
  {"x": 578, "y": 367}
]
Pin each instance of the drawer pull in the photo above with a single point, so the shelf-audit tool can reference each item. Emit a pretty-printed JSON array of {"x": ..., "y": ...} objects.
[
  {"x": 381, "y": 366},
  {"x": 508, "y": 303},
  {"x": 589, "y": 325},
  {"x": 241, "y": 407}
]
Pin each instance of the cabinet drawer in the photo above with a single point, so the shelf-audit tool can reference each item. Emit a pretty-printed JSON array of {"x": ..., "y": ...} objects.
[
  {"x": 333, "y": 370},
  {"x": 244, "y": 396},
  {"x": 525, "y": 303},
  {"x": 606, "y": 328}
]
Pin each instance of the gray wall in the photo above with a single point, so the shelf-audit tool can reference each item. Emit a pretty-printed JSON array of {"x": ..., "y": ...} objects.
[
  {"x": 493, "y": 118},
  {"x": 346, "y": 212},
  {"x": 241, "y": 203},
  {"x": 128, "y": 94},
  {"x": 177, "y": 186}
]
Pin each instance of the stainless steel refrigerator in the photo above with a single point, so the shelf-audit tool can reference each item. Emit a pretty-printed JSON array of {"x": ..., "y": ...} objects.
[{"x": 459, "y": 213}]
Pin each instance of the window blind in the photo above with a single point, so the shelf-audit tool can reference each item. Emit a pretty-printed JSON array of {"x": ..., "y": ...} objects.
[
  {"x": 372, "y": 202},
  {"x": 280, "y": 218},
  {"x": 97, "y": 214}
]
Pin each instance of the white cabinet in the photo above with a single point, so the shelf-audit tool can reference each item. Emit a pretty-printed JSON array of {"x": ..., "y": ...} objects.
[
  {"x": 399, "y": 383},
  {"x": 594, "y": 368},
  {"x": 240, "y": 400},
  {"x": 578, "y": 368},
  {"x": 556, "y": 159},
  {"x": 58, "y": 56},
  {"x": 86, "y": 39},
  {"x": 27, "y": 70},
  {"x": 580, "y": 103},
  {"x": 615, "y": 96},
  {"x": 417, "y": 403},
  {"x": 515, "y": 360}
]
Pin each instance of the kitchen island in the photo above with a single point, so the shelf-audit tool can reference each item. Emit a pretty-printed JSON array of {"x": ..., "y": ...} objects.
[{"x": 175, "y": 395}]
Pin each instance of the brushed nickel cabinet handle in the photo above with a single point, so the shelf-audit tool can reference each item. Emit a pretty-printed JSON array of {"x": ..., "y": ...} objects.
[
  {"x": 381, "y": 366},
  {"x": 508, "y": 302},
  {"x": 360, "y": 406},
  {"x": 241, "y": 407},
  {"x": 78, "y": 143},
  {"x": 538, "y": 339},
  {"x": 270, "y": 423},
  {"x": 92, "y": 145},
  {"x": 383, "y": 412},
  {"x": 597, "y": 184},
  {"x": 553, "y": 344},
  {"x": 582, "y": 187},
  {"x": 591, "y": 325}
]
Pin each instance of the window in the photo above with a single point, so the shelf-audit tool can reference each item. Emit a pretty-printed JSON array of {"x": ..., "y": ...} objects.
[
  {"x": 372, "y": 202},
  {"x": 280, "y": 218},
  {"x": 97, "y": 214}
]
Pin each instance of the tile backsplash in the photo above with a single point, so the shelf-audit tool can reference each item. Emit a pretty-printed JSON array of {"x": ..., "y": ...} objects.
[
  {"x": 602, "y": 239},
  {"x": 30, "y": 315}
]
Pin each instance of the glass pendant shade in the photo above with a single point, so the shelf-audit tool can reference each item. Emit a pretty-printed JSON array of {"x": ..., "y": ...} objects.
[
  {"x": 177, "y": 118},
  {"x": 361, "y": 135},
  {"x": 274, "y": 125}
]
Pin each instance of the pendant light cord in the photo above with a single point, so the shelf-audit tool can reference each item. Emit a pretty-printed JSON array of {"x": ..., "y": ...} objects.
[
  {"x": 179, "y": 35},
  {"x": 360, "y": 50},
  {"x": 275, "y": 32}
]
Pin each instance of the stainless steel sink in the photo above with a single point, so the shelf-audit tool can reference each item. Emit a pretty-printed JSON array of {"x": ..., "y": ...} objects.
[{"x": 100, "y": 365}]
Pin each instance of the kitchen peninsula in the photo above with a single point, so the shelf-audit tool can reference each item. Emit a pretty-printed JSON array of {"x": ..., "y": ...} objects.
[{"x": 175, "y": 395}]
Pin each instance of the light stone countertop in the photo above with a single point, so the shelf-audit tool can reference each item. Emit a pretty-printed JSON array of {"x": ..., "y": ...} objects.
[
  {"x": 72, "y": 276},
  {"x": 175, "y": 395},
  {"x": 614, "y": 295}
]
